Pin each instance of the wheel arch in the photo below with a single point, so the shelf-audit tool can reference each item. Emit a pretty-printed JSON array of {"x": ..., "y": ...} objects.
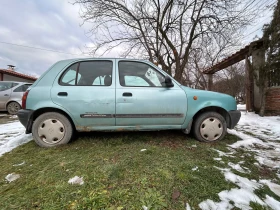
[
  {"x": 41, "y": 111},
  {"x": 7, "y": 104},
  {"x": 217, "y": 109}
]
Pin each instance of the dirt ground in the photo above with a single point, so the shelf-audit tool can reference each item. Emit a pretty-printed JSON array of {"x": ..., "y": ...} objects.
[{"x": 5, "y": 118}]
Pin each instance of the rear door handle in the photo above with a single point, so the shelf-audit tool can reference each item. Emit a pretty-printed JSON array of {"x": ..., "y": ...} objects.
[
  {"x": 6, "y": 95},
  {"x": 62, "y": 94},
  {"x": 127, "y": 94}
]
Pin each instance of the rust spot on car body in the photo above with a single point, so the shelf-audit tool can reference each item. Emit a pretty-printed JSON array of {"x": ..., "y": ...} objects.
[{"x": 83, "y": 128}]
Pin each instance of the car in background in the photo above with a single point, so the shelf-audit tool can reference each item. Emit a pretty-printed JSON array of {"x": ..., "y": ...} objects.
[
  {"x": 105, "y": 94},
  {"x": 10, "y": 95}
]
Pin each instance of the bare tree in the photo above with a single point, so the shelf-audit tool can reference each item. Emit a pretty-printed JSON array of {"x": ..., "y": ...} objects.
[
  {"x": 232, "y": 81},
  {"x": 164, "y": 31},
  {"x": 206, "y": 54}
]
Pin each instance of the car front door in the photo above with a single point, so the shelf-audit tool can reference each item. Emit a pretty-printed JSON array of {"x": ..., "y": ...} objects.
[
  {"x": 142, "y": 99},
  {"x": 86, "y": 90}
]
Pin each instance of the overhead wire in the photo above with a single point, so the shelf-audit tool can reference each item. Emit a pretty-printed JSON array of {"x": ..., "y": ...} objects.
[
  {"x": 268, "y": 3},
  {"x": 43, "y": 49}
]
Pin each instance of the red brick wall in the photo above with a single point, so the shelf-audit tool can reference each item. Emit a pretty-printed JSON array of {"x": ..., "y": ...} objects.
[{"x": 273, "y": 101}]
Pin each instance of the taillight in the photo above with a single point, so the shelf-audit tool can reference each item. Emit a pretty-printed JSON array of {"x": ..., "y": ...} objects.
[{"x": 23, "y": 100}]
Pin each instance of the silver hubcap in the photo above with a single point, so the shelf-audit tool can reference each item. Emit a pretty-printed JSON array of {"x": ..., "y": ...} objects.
[
  {"x": 51, "y": 131},
  {"x": 13, "y": 108},
  {"x": 211, "y": 129}
]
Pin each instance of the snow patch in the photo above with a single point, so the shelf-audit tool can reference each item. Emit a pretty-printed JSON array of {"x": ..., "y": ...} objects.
[
  {"x": 76, "y": 180},
  {"x": 272, "y": 203},
  {"x": 11, "y": 136},
  {"x": 221, "y": 154},
  {"x": 12, "y": 177},
  {"x": 188, "y": 207},
  {"x": 237, "y": 167},
  {"x": 242, "y": 182},
  {"x": 145, "y": 207},
  {"x": 263, "y": 127},
  {"x": 211, "y": 205},
  {"x": 272, "y": 186},
  {"x": 19, "y": 164}
]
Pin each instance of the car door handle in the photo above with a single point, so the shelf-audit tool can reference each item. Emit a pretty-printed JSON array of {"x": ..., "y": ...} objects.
[
  {"x": 6, "y": 95},
  {"x": 127, "y": 94},
  {"x": 62, "y": 94}
]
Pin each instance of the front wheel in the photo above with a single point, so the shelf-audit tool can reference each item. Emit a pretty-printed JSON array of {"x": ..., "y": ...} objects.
[
  {"x": 52, "y": 129},
  {"x": 210, "y": 127}
]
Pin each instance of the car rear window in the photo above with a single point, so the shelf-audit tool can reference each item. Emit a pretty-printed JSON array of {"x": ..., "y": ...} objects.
[{"x": 88, "y": 73}]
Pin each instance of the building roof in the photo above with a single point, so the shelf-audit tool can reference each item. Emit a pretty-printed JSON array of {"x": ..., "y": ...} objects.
[
  {"x": 234, "y": 58},
  {"x": 17, "y": 74}
]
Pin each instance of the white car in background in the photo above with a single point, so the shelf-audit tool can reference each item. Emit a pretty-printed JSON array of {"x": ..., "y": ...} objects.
[{"x": 11, "y": 94}]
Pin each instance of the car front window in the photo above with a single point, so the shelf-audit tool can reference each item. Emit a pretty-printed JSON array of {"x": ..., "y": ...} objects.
[
  {"x": 138, "y": 74},
  {"x": 5, "y": 86}
]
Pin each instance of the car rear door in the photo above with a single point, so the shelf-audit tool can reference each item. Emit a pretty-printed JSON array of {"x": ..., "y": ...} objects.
[
  {"x": 18, "y": 92},
  {"x": 86, "y": 90},
  {"x": 141, "y": 98}
]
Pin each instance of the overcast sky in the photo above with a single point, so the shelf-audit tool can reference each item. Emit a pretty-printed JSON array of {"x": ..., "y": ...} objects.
[{"x": 56, "y": 25}]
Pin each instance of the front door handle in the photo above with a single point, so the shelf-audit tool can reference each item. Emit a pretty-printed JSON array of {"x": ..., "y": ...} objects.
[
  {"x": 6, "y": 95},
  {"x": 127, "y": 94},
  {"x": 62, "y": 94}
]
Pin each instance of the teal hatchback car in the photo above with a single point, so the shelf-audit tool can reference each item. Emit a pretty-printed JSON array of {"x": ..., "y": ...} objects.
[{"x": 120, "y": 95}]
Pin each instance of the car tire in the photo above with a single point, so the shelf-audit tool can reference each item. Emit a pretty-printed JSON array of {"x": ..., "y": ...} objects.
[
  {"x": 210, "y": 127},
  {"x": 52, "y": 129},
  {"x": 13, "y": 108}
]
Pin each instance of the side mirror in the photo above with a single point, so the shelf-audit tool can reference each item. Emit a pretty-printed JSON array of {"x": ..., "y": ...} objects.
[{"x": 168, "y": 82}]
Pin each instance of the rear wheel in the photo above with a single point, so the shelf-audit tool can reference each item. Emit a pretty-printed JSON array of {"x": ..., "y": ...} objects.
[
  {"x": 210, "y": 127},
  {"x": 51, "y": 129},
  {"x": 13, "y": 107}
]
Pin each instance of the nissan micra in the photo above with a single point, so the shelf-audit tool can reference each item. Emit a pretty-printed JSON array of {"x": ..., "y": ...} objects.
[{"x": 120, "y": 95}]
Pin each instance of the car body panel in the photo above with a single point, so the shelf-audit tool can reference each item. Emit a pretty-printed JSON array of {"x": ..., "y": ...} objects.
[{"x": 206, "y": 99}]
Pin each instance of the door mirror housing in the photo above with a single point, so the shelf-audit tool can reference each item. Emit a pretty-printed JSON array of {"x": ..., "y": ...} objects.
[{"x": 168, "y": 81}]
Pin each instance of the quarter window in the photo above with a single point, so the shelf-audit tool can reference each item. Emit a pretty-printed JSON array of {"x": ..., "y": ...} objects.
[
  {"x": 137, "y": 74},
  {"x": 69, "y": 76}
]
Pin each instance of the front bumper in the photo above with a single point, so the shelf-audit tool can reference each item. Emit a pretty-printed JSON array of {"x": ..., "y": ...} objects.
[
  {"x": 25, "y": 116},
  {"x": 234, "y": 118}
]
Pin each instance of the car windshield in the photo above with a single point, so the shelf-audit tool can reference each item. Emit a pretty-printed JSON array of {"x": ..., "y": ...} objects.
[{"x": 5, "y": 86}]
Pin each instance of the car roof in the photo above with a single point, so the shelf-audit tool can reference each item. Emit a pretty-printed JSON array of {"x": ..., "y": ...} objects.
[{"x": 94, "y": 58}]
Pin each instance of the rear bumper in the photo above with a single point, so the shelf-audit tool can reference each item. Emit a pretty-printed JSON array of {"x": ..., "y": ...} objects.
[
  {"x": 234, "y": 118},
  {"x": 25, "y": 116}
]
